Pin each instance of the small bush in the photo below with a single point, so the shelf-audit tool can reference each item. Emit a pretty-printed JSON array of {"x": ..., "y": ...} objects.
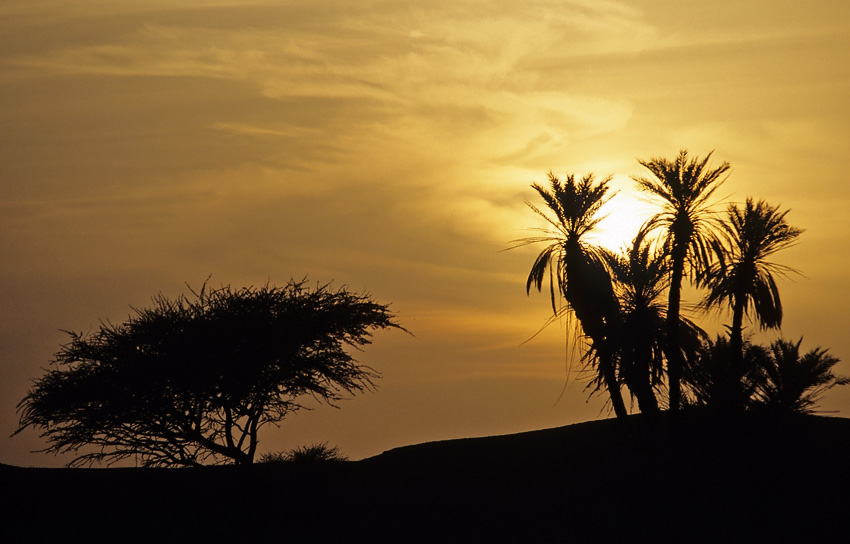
[
  {"x": 306, "y": 454},
  {"x": 274, "y": 457}
]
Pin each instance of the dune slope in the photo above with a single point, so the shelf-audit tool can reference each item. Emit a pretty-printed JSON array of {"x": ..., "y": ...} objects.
[{"x": 691, "y": 478}]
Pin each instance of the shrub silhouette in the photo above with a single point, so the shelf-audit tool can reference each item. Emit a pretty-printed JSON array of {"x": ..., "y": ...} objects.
[{"x": 306, "y": 454}]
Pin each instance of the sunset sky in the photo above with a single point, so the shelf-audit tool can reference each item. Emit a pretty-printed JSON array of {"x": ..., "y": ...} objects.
[{"x": 389, "y": 146}]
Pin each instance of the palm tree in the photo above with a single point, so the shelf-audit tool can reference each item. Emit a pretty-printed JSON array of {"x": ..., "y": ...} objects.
[
  {"x": 715, "y": 382},
  {"x": 793, "y": 383},
  {"x": 576, "y": 269},
  {"x": 684, "y": 187},
  {"x": 641, "y": 278},
  {"x": 741, "y": 276}
]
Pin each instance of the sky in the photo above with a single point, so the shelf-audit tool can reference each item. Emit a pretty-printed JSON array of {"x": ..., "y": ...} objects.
[{"x": 390, "y": 147}]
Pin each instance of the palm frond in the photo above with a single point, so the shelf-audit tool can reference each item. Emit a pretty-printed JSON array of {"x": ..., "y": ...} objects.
[
  {"x": 795, "y": 383},
  {"x": 740, "y": 273}
]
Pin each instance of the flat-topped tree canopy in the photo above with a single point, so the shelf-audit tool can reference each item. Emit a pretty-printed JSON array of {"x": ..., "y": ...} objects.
[{"x": 192, "y": 380}]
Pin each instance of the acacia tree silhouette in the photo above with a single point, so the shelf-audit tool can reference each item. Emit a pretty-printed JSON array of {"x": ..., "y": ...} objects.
[
  {"x": 194, "y": 379},
  {"x": 741, "y": 276},
  {"x": 683, "y": 187},
  {"x": 577, "y": 270}
]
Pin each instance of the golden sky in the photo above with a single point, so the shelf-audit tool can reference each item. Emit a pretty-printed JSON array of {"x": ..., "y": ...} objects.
[{"x": 390, "y": 146}]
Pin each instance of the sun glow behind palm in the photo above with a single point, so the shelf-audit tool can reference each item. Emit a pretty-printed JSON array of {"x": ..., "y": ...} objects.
[{"x": 622, "y": 216}]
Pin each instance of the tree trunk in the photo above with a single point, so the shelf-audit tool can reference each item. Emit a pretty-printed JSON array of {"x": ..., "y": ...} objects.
[
  {"x": 736, "y": 349},
  {"x": 647, "y": 403},
  {"x": 609, "y": 374},
  {"x": 640, "y": 384},
  {"x": 594, "y": 328},
  {"x": 590, "y": 294},
  {"x": 672, "y": 348},
  {"x": 736, "y": 331}
]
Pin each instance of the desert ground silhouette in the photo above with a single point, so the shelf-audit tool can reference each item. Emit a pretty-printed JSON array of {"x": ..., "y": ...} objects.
[{"x": 688, "y": 477}]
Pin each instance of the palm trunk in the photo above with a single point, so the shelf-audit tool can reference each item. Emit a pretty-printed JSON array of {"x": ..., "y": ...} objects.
[
  {"x": 594, "y": 305},
  {"x": 736, "y": 348},
  {"x": 736, "y": 331},
  {"x": 594, "y": 327},
  {"x": 672, "y": 348},
  {"x": 609, "y": 374},
  {"x": 647, "y": 403},
  {"x": 641, "y": 386}
]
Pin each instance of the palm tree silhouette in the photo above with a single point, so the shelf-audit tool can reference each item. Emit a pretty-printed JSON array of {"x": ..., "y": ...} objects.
[
  {"x": 684, "y": 187},
  {"x": 741, "y": 276},
  {"x": 641, "y": 278},
  {"x": 716, "y": 382},
  {"x": 793, "y": 383},
  {"x": 576, "y": 269}
]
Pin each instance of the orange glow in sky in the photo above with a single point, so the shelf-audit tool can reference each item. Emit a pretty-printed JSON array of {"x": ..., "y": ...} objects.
[{"x": 390, "y": 147}]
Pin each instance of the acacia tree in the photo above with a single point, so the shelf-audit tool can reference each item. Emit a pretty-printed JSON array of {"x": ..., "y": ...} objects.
[
  {"x": 683, "y": 187},
  {"x": 193, "y": 380}
]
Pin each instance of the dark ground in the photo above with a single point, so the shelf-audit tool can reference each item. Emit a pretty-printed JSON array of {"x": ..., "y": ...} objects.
[{"x": 693, "y": 478}]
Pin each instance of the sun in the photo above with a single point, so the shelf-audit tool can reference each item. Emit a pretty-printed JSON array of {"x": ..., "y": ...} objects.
[{"x": 622, "y": 217}]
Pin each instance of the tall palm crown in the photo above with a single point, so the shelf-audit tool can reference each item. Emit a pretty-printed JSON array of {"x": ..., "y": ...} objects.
[
  {"x": 576, "y": 269},
  {"x": 684, "y": 187},
  {"x": 576, "y": 206},
  {"x": 741, "y": 275}
]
